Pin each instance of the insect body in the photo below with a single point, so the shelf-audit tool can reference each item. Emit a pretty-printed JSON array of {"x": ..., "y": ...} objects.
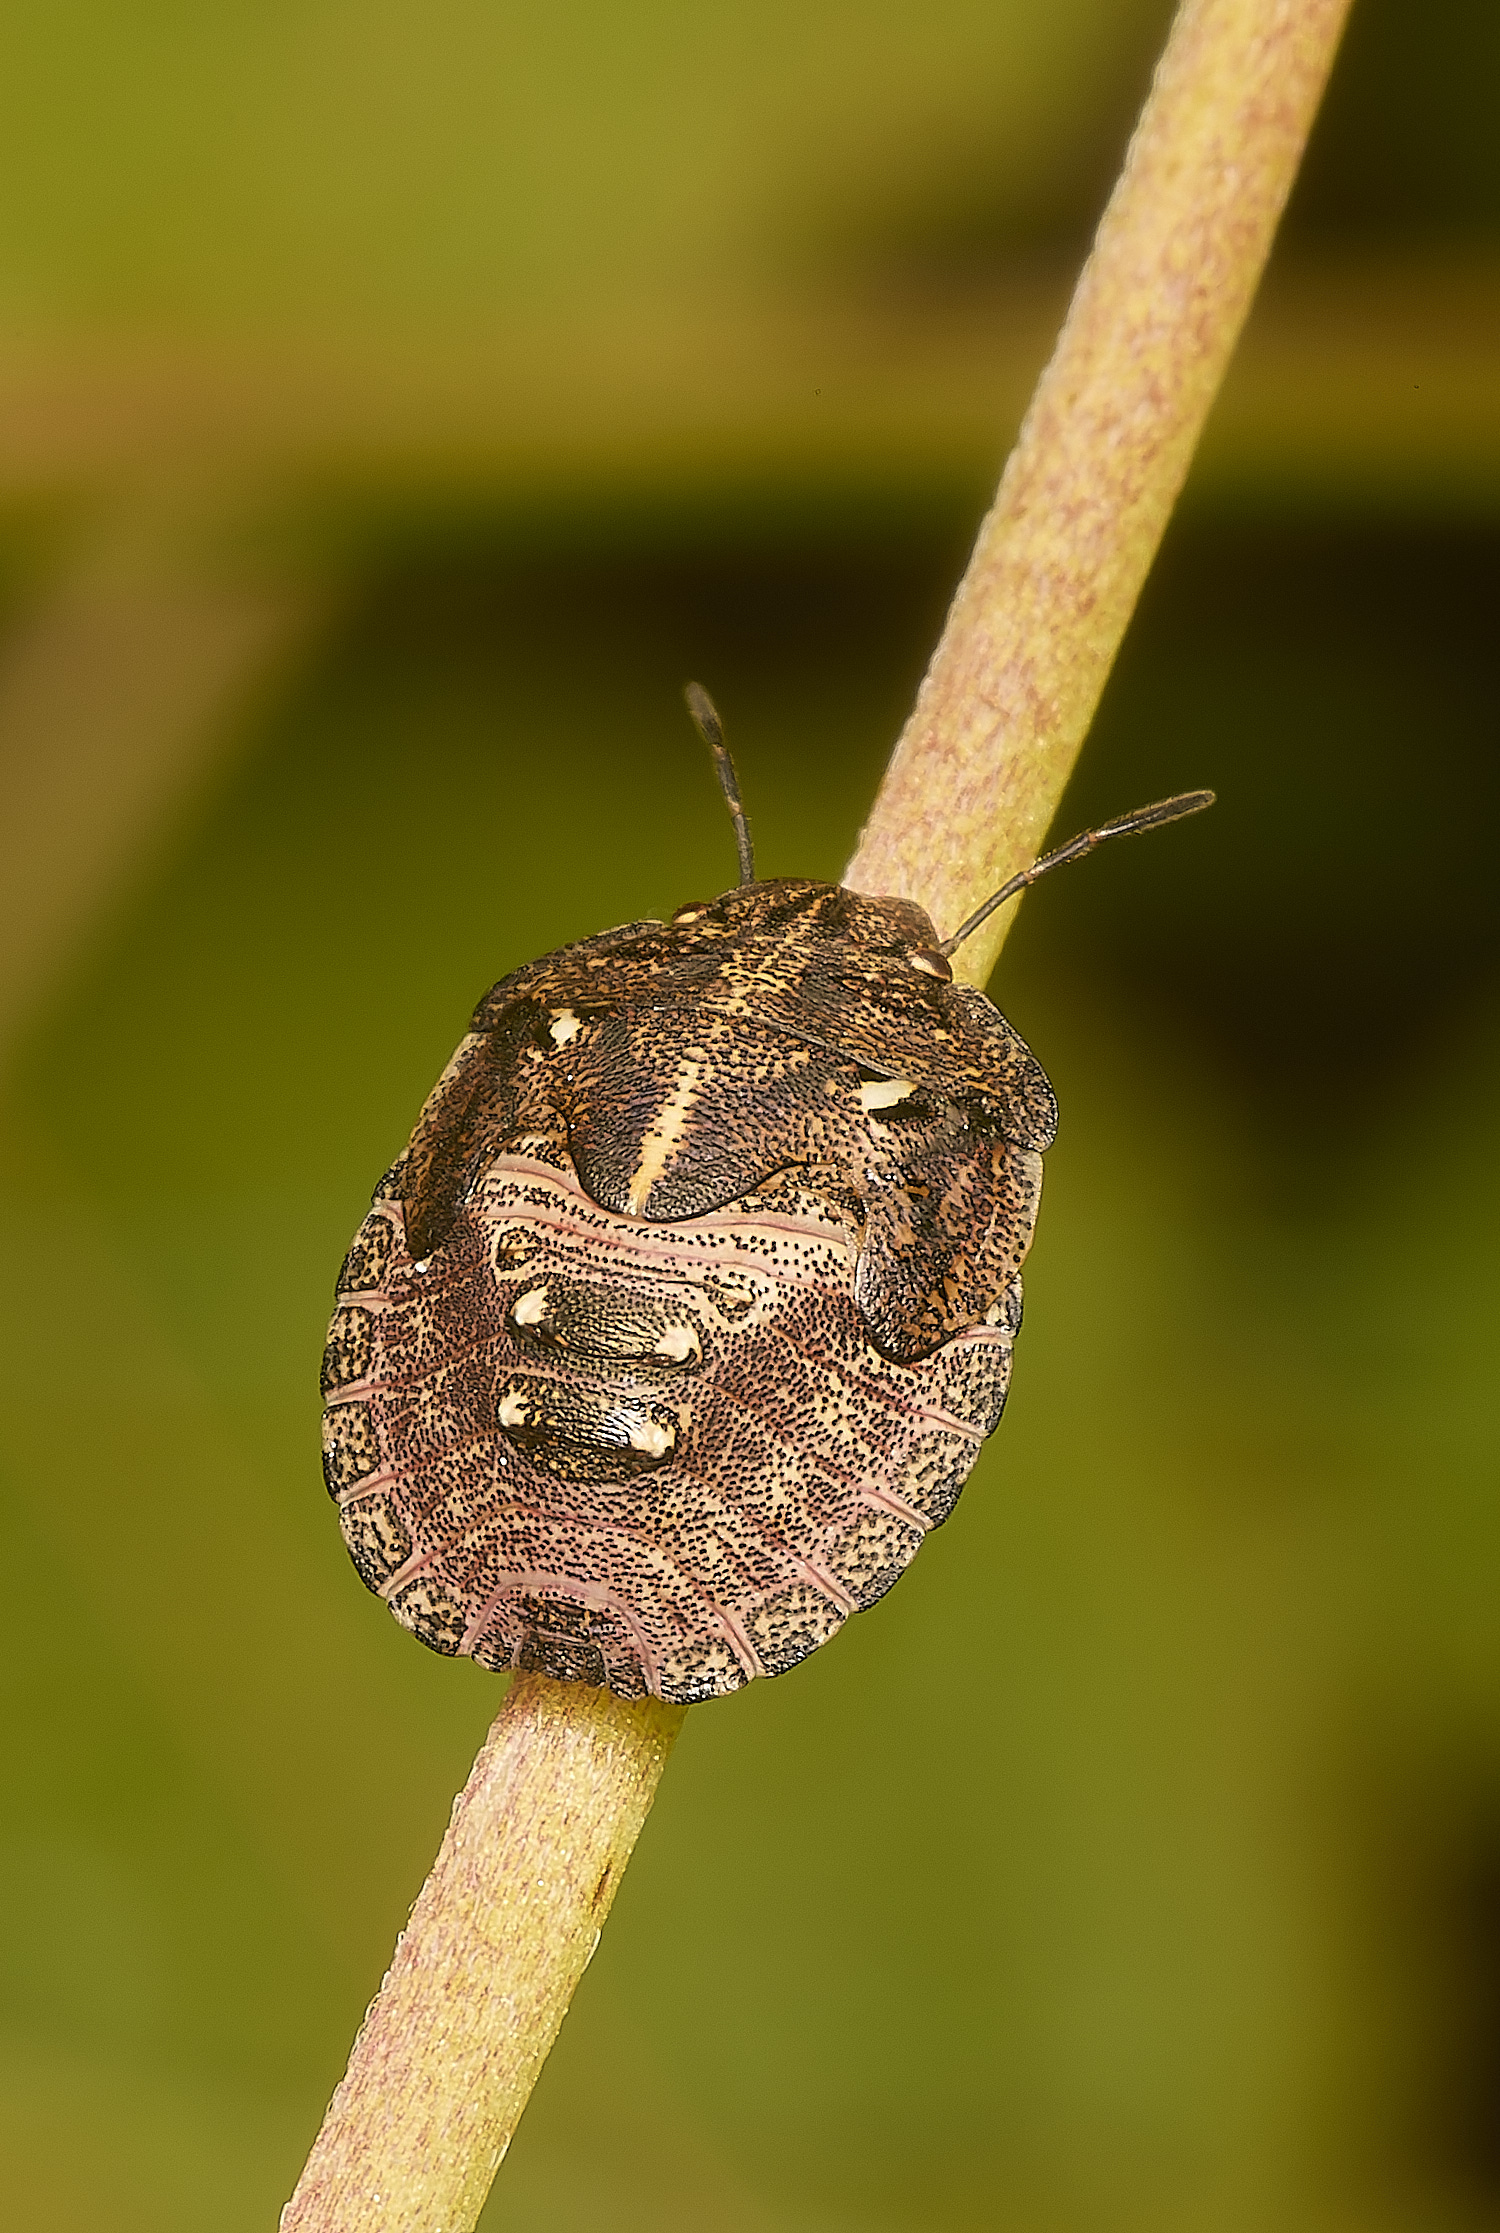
[{"x": 681, "y": 1319}]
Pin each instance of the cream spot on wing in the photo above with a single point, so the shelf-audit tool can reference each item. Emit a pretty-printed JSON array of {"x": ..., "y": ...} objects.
[
  {"x": 654, "y": 1440},
  {"x": 663, "y": 1137},
  {"x": 928, "y": 968},
  {"x": 884, "y": 1093},
  {"x": 679, "y": 1343},
  {"x": 564, "y": 1026},
  {"x": 511, "y": 1409},
  {"x": 532, "y": 1308}
]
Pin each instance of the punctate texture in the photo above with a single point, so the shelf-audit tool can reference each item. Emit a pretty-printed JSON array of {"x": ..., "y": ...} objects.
[{"x": 682, "y": 1317}]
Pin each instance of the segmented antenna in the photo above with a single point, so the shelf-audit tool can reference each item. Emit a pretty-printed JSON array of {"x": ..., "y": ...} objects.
[
  {"x": 1125, "y": 825},
  {"x": 706, "y": 719}
]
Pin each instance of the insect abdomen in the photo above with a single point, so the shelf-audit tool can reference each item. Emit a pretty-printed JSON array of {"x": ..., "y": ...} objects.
[{"x": 666, "y": 1457}]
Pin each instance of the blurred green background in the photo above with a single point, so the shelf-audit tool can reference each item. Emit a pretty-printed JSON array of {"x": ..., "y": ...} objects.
[{"x": 396, "y": 405}]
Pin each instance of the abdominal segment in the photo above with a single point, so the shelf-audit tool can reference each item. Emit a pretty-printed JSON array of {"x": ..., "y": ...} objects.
[{"x": 662, "y": 1456}]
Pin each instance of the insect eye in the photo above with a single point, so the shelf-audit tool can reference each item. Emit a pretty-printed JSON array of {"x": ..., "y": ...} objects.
[{"x": 931, "y": 965}]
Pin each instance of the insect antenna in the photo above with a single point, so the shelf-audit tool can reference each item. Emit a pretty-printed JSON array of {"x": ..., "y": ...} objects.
[
  {"x": 706, "y": 720},
  {"x": 1124, "y": 825}
]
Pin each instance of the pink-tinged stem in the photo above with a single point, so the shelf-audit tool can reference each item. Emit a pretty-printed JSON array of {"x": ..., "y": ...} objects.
[
  {"x": 483, "y": 1973},
  {"x": 512, "y": 1911},
  {"x": 1088, "y": 489}
]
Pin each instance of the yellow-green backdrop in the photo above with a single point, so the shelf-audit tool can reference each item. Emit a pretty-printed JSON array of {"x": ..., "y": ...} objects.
[{"x": 396, "y": 405}]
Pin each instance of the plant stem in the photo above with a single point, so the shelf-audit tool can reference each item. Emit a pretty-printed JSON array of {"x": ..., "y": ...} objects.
[
  {"x": 1088, "y": 489},
  {"x": 511, "y": 1913},
  {"x": 484, "y": 1971}
]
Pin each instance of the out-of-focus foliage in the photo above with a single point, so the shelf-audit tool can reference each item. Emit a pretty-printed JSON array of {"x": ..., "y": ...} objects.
[
  {"x": 337, "y": 161},
  {"x": 1137, "y": 1862}
]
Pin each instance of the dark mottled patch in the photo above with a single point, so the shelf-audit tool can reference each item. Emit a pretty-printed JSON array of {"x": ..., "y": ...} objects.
[
  {"x": 701, "y": 1671},
  {"x": 496, "y": 1650},
  {"x": 938, "y": 1500},
  {"x": 377, "y": 1542},
  {"x": 351, "y": 1450},
  {"x": 561, "y": 1657},
  {"x": 873, "y": 1554},
  {"x": 790, "y": 1625},
  {"x": 626, "y": 1676},
  {"x": 980, "y": 1381},
  {"x": 346, "y": 1355},
  {"x": 434, "y": 1617},
  {"x": 1008, "y": 1308},
  {"x": 369, "y": 1258}
]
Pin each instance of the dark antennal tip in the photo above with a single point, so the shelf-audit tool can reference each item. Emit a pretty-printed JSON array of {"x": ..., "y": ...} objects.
[
  {"x": 706, "y": 720},
  {"x": 1152, "y": 817}
]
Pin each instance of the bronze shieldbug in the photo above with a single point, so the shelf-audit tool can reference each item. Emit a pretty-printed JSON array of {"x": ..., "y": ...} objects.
[{"x": 681, "y": 1319}]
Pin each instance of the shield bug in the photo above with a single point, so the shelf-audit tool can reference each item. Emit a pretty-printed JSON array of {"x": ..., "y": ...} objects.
[{"x": 680, "y": 1320}]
